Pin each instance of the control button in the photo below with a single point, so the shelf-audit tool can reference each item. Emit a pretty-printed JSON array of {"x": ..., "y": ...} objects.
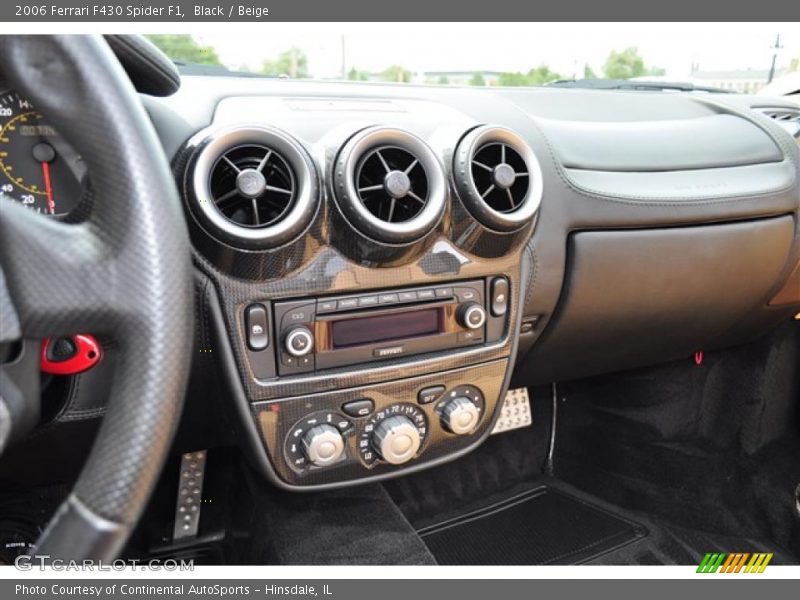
[
  {"x": 460, "y": 415},
  {"x": 256, "y": 323},
  {"x": 388, "y": 298},
  {"x": 396, "y": 439},
  {"x": 299, "y": 341},
  {"x": 359, "y": 408},
  {"x": 444, "y": 292},
  {"x": 429, "y": 394},
  {"x": 367, "y": 300},
  {"x": 499, "y": 293},
  {"x": 303, "y": 313},
  {"x": 293, "y": 365},
  {"x": 426, "y": 295},
  {"x": 468, "y": 337},
  {"x": 326, "y": 306},
  {"x": 471, "y": 315},
  {"x": 347, "y": 303},
  {"x": 323, "y": 445},
  {"x": 407, "y": 296},
  {"x": 466, "y": 294}
]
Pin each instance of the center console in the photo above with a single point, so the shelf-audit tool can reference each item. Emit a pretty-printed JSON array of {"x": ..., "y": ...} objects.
[{"x": 369, "y": 281}]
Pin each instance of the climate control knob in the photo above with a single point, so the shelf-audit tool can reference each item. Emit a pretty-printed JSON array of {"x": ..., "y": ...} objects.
[
  {"x": 460, "y": 415},
  {"x": 323, "y": 445},
  {"x": 471, "y": 315},
  {"x": 396, "y": 439},
  {"x": 299, "y": 341}
]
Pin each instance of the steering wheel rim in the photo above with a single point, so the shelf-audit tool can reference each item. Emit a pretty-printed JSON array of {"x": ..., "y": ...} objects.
[{"x": 125, "y": 272}]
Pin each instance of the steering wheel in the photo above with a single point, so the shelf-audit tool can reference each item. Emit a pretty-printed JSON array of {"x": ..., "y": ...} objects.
[{"x": 125, "y": 272}]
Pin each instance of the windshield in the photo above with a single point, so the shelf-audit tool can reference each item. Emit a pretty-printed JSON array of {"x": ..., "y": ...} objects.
[{"x": 711, "y": 57}]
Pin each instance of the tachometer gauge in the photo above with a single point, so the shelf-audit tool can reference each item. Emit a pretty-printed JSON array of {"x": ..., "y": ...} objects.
[{"x": 37, "y": 167}]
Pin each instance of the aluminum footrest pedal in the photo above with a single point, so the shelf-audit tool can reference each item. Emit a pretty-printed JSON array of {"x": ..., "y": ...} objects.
[
  {"x": 515, "y": 411},
  {"x": 190, "y": 495}
]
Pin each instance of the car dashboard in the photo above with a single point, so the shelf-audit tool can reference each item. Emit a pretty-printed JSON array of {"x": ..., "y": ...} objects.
[{"x": 377, "y": 265}]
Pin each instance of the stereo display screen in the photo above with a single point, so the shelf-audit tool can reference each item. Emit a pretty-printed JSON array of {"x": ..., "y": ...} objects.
[{"x": 384, "y": 328}]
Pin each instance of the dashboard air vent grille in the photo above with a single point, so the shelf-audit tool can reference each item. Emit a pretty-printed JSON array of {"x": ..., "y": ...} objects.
[
  {"x": 498, "y": 178},
  {"x": 392, "y": 184},
  {"x": 501, "y": 176},
  {"x": 785, "y": 116},
  {"x": 252, "y": 186},
  {"x": 389, "y": 185}
]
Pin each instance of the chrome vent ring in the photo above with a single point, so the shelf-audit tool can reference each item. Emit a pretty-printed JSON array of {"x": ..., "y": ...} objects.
[
  {"x": 390, "y": 185},
  {"x": 253, "y": 186},
  {"x": 498, "y": 178}
]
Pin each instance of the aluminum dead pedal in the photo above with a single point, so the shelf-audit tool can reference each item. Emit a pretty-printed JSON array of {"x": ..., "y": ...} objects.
[
  {"x": 515, "y": 412},
  {"x": 190, "y": 495}
]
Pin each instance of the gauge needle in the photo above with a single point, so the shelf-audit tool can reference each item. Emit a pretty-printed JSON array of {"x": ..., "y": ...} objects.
[{"x": 51, "y": 205}]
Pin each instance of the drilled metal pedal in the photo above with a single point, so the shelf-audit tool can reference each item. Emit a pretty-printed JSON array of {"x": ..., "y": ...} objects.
[
  {"x": 190, "y": 495},
  {"x": 515, "y": 412}
]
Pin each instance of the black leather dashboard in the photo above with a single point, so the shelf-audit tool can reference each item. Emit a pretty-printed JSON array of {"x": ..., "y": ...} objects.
[{"x": 668, "y": 224}]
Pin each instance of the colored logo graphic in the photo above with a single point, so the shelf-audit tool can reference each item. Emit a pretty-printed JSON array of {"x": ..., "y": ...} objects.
[{"x": 736, "y": 562}]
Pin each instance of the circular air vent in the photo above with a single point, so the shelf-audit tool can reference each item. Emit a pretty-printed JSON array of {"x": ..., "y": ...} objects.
[
  {"x": 498, "y": 178},
  {"x": 254, "y": 186},
  {"x": 390, "y": 185}
]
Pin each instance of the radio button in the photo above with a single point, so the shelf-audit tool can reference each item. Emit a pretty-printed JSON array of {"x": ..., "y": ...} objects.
[
  {"x": 466, "y": 294},
  {"x": 471, "y": 315},
  {"x": 407, "y": 296},
  {"x": 445, "y": 292},
  {"x": 426, "y": 295},
  {"x": 294, "y": 365},
  {"x": 388, "y": 298},
  {"x": 257, "y": 329},
  {"x": 299, "y": 341},
  {"x": 470, "y": 337},
  {"x": 359, "y": 408},
  {"x": 297, "y": 313},
  {"x": 367, "y": 300},
  {"x": 430, "y": 394},
  {"x": 347, "y": 303},
  {"x": 326, "y": 306}
]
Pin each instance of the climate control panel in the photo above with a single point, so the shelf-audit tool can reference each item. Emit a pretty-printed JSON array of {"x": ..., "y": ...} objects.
[{"x": 348, "y": 434}]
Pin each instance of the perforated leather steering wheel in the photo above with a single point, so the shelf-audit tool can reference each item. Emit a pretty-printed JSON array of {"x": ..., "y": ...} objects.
[{"x": 125, "y": 273}]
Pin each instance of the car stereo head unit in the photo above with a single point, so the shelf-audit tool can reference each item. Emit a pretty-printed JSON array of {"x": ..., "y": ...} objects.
[{"x": 340, "y": 331}]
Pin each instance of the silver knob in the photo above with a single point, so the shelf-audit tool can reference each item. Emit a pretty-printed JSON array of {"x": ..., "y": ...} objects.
[
  {"x": 299, "y": 341},
  {"x": 396, "y": 439},
  {"x": 460, "y": 415},
  {"x": 471, "y": 315},
  {"x": 323, "y": 445}
]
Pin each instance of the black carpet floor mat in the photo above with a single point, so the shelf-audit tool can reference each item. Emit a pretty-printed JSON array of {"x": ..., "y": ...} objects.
[{"x": 541, "y": 526}]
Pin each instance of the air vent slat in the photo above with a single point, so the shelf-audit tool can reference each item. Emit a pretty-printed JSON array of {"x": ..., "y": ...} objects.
[
  {"x": 253, "y": 186},
  {"x": 498, "y": 178},
  {"x": 389, "y": 185},
  {"x": 403, "y": 192}
]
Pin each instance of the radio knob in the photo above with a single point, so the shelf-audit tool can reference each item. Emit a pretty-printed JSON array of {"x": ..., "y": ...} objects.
[
  {"x": 323, "y": 445},
  {"x": 460, "y": 415},
  {"x": 299, "y": 341},
  {"x": 471, "y": 315},
  {"x": 396, "y": 439}
]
